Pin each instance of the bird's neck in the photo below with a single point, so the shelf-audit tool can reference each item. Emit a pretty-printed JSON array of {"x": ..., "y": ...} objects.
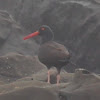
[
  {"x": 45, "y": 39},
  {"x": 48, "y": 37}
]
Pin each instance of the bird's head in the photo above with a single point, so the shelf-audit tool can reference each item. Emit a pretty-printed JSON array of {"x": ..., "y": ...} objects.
[{"x": 44, "y": 31}]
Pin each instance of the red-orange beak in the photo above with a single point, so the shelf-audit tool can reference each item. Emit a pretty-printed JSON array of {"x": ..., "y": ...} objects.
[{"x": 32, "y": 35}]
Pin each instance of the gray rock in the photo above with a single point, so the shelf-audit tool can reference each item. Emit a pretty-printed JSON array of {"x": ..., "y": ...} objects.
[
  {"x": 85, "y": 86},
  {"x": 16, "y": 66},
  {"x": 32, "y": 91},
  {"x": 11, "y": 37}
]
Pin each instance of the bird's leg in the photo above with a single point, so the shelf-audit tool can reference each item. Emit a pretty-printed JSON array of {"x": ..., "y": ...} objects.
[
  {"x": 58, "y": 79},
  {"x": 48, "y": 76},
  {"x": 58, "y": 75}
]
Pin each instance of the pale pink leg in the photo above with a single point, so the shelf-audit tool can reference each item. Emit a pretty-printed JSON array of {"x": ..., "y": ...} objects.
[
  {"x": 58, "y": 79},
  {"x": 48, "y": 76}
]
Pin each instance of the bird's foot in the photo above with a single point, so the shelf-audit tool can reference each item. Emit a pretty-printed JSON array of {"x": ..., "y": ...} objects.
[{"x": 48, "y": 82}]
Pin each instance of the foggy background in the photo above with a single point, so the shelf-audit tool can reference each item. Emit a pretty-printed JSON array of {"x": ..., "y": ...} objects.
[{"x": 76, "y": 24}]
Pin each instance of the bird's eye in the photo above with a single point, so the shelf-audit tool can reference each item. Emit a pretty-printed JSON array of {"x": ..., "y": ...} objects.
[{"x": 42, "y": 28}]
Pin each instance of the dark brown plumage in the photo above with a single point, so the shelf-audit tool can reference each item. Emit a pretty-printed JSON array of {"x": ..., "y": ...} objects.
[{"x": 51, "y": 54}]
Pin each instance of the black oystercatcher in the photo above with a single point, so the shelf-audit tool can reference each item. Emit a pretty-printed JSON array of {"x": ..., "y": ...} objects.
[{"x": 51, "y": 53}]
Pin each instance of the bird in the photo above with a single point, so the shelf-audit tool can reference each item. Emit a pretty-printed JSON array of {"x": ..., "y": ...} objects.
[{"x": 51, "y": 53}]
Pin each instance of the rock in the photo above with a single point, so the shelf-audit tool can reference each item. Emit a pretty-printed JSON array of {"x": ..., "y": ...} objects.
[
  {"x": 11, "y": 37},
  {"x": 21, "y": 84},
  {"x": 32, "y": 93},
  {"x": 42, "y": 76},
  {"x": 14, "y": 66},
  {"x": 85, "y": 85},
  {"x": 32, "y": 90}
]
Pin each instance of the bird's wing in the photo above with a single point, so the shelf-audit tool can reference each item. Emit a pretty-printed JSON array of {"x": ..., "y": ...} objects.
[{"x": 57, "y": 51}]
